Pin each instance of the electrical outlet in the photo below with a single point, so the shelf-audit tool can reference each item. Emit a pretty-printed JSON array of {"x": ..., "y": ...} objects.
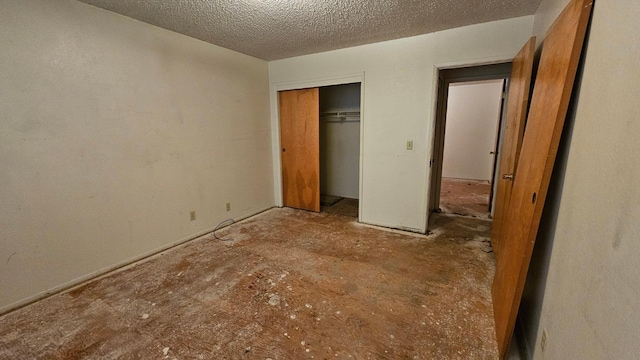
[
  {"x": 543, "y": 340},
  {"x": 409, "y": 144},
  {"x": 192, "y": 215},
  {"x": 228, "y": 206}
]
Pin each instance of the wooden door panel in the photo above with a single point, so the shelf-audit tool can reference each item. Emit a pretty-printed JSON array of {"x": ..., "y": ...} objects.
[
  {"x": 551, "y": 94},
  {"x": 300, "y": 148},
  {"x": 519, "y": 89}
]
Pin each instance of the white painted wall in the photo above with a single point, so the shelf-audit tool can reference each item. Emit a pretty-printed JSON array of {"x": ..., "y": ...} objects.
[
  {"x": 591, "y": 295},
  {"x": 399, "y": 98},
  {"x": 340, "y": 142},
  {"x": 111, "y": 132},
  {"x": 473, "y": 117}
]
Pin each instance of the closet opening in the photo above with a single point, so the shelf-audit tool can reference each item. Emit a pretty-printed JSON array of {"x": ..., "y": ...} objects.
[
  {"x": 340, "y": 149},
  {"x": 320, "y": 129}
]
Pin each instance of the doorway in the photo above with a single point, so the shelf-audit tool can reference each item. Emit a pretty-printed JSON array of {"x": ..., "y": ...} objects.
[
  {"x": 320, "y": 131},
  {"x": 467, "y": 138}
]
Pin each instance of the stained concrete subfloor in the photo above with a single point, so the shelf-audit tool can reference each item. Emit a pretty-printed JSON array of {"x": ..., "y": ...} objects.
[
  {"x": 345, "y": 206},
  {"x": 291, "y": 285},
  {"x": 465, "y": 197}
]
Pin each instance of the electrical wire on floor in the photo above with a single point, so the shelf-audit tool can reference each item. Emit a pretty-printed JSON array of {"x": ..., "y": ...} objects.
[{"x": 229, "y": 221}]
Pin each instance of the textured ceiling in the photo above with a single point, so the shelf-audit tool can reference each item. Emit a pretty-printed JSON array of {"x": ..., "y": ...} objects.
[{"x": 277, "y": 29}]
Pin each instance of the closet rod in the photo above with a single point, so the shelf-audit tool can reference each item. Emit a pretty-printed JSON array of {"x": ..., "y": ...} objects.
[
  {"x": 342, "y": 120},
  {"x": 340, "y": 113},
  {"x": 340, "y": 116}
]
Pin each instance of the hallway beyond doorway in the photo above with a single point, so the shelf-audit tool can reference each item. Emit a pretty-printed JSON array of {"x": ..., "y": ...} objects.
[{"x": 465, "y": 197}]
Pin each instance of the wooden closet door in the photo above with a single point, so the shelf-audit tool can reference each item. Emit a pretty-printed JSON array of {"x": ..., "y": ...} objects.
[
  {"x": 519, "y": 89},
  {"x": 552, "y": 91},
  {"x": 300, "y": 148}
]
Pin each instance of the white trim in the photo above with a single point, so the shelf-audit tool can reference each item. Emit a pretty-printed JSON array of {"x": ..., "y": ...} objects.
[
  {"x": 402, "y": 231},
  {"x": 319, "y": 82},
  {"x": 275, "y": 126},
  {"x": 430, "y": 147},
  {"x": 118, "y": 267},
  {"x": 362, "y": 138},
  {"x": 489, "y": 60}
]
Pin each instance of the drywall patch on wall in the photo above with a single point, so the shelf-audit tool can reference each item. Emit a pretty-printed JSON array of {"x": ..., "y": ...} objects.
[
  {"x": 471, "y": 130},
  {"x": 112, "y": 132}
]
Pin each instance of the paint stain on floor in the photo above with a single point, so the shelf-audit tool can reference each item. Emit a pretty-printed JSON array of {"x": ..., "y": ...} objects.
[{"x": 292, "y": 285}]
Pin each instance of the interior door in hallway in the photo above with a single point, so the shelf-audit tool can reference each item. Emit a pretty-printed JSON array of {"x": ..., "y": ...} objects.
[
  {"x": 551, "y": 94},
  {"x": 300, "y": 148},
  {"x": 519, "y": 89}
]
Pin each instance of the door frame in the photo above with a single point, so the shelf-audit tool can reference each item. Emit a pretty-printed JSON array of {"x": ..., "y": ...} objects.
[
  {"x": 500, "y": 139},
  {"x": 275, "y": 127},
  {"x": 446, "y": 76}
]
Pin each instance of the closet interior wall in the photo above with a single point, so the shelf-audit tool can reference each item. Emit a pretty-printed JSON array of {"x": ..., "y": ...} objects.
[{"x": 340, "y": 140}]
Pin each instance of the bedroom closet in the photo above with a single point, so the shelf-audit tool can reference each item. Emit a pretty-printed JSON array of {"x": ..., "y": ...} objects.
[
  {"x": 320, "y": 141},
  {"x": 340, "y": 148}
]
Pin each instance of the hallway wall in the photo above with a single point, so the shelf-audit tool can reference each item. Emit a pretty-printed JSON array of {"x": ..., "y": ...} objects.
[{"x": 473, "y": 116}]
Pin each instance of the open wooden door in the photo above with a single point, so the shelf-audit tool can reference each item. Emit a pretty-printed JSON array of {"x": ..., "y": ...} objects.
[
  {"x": 519, "y": 89},
  {"x": 551, "y": 94},
  {"x": 300, "y": 143}
]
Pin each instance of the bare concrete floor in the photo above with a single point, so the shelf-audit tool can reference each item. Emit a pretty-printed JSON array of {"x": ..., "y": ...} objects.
[
  {"x": 465, "y": 197},
  {"x": 292, "y": 285},
  {"x": 345, "y": 206}
]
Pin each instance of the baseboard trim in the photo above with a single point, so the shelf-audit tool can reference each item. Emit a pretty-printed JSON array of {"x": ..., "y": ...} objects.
[
  {"x": 121, "y": 266},
  {"x": 521, "y": 339}
]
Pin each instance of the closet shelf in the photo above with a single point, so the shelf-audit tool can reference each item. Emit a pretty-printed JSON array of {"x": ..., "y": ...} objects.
[{"x": 340, "y": 116}]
